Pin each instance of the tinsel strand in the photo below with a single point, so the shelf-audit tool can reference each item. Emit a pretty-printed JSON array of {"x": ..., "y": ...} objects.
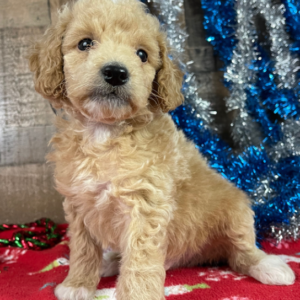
[
  {"x": 38, "y": 235},
  {"x": 292, "y": 15},
  {"x": 241, "y": 74},
  {"x": 285, "y": 63},
  {"x": 170, "y": 12},
  {"x": 286, "y": 67}
]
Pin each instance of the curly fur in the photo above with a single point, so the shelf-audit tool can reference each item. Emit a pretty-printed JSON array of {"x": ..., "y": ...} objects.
[{"x": 131, "y": 180}]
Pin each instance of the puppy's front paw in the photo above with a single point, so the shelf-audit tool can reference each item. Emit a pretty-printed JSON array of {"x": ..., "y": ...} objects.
[
  {"x": 73, "y": 293},
  {"x": 272, "y": 270}
]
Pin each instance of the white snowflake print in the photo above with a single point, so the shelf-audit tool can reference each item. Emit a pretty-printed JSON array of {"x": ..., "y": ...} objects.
[
  {"x": 217, "y": 274},
  {"x": 11, "y": 256}
]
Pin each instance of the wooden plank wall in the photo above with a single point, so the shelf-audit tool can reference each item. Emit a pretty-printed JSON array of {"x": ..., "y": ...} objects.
[{"x": 26, "y": 184}]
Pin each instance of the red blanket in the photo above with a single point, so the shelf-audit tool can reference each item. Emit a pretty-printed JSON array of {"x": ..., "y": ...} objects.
[{"x": 31, "y": 275}]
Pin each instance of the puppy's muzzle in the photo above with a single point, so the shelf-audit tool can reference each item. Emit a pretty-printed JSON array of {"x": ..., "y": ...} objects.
[{"x": 115, "y": 75}]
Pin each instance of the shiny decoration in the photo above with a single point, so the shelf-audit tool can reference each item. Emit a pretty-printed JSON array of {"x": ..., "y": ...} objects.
[
  {"x": 170, "y": 12},
  {"x": 264, "y": 82},
  {"x": 241, "y": 75},
  {"x": 268, "y": 79},
  {"x": 285, "y": 62},
  {"x": 38, "y": 235},
  {"x": 292, "y": 15}
]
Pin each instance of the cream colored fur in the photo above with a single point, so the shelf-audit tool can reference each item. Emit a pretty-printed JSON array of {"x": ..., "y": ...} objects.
[{"x": 131, "y": 179}]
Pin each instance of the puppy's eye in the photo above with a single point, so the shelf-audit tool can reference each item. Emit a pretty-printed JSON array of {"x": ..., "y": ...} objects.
[
  {"x": 142, "y": 54},
  {"x": 85, "y": 44}
]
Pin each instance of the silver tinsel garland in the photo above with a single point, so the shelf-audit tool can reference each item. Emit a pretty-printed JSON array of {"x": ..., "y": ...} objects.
[
  {"x": 170, "y": 13},
  {"x": 286, "y": 66},
  {"x": 281, "y": 232},
  {"x": 285, "y": 63},
  {"x": 241, "y": 73},
  {"x": 290, "y": 144}
]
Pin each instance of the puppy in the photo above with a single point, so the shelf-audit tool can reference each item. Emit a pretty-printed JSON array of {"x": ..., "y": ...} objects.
[{"x": 132, "y": 181}]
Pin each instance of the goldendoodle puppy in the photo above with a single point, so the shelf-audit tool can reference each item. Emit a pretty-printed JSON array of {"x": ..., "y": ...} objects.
[{"x": 132, "y": 182}]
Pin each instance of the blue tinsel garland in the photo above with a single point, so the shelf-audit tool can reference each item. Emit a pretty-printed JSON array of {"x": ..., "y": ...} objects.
[
  {"x": 264, "y": 97},
  {"x": 292, "y": 15},
  {"x": 274, "y": 186},
  {"x": 219, "y": 22}
]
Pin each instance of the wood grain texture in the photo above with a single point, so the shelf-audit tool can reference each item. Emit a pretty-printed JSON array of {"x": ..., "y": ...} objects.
[
  {"x": 26, "y": 188},
  {"x": 25, "y": 117},
  {"x": 24, "y": 13},
  {"x": 20, "y": 105},
  {"x": 27, "y": 194},
  {"x": 55, "y": 5},
  {"x": 22, "y": 145}
]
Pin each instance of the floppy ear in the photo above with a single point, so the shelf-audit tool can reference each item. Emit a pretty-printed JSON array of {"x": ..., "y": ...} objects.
[
  {"x": 169, "y": 79},
  {"x": 46, "y": 61}
]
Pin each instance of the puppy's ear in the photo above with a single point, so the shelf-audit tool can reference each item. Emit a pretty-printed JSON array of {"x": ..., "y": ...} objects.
[
  {"x": 169, "y": 79},
  {"x": 46, "y": 61}
]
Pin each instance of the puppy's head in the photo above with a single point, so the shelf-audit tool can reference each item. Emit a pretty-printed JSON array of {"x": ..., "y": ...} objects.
[{"x": 107, "y": 60}]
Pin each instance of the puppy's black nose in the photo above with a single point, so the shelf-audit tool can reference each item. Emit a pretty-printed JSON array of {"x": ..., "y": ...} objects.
[{"x": 115, "y": 75}]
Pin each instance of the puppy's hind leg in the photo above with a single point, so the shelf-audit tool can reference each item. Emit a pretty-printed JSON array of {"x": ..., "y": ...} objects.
[{"x": 246, "y": 258}]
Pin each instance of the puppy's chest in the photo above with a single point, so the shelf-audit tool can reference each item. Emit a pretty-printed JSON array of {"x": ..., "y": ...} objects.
[{"x": 104, "y": 215}]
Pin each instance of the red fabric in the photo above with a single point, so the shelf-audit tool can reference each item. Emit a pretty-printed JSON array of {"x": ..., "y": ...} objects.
[{"x": 22, "y": 277}]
